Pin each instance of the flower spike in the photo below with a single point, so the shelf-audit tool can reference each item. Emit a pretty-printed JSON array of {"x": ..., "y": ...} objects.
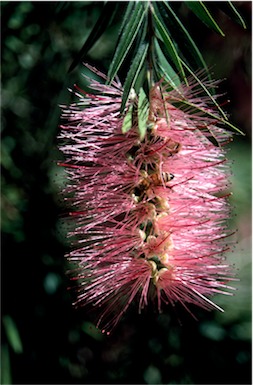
[{"x": 149, "y": 214}]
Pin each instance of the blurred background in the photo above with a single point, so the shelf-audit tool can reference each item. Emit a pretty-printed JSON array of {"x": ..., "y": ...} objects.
[{"x": 44, "y": 339}]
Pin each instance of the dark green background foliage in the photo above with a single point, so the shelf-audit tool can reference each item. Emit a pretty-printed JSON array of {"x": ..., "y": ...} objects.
[{"x": 44, "y": 339}]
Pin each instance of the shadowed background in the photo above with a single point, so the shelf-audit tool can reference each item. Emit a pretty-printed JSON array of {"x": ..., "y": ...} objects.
[{"x": 44, "y": 339}]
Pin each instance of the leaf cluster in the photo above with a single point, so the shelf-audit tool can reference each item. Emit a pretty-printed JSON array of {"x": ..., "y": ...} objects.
[{"x": 155, "y": 44}]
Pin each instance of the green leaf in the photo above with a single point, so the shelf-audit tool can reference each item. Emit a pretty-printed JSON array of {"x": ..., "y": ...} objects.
[
  {"x": 225, "y": 122},
  {"x": 163, "y": 67},
  {"x": 170, "y": 47},
  {"x": 5, "y": 366},
  {"x": 127, "y": 121},
  {"x": 130, "y": 28},
  {"x": 204, "y": 15},
  {"x": 133, "y": 73},
  {"x": 180, "y": 30},
  {"x": 229, "y": 8},
  {"x": 130, "y": 8},
  {"x": 12, "y": 334},
  {"x": 143, "y": 111},
  {"x": 202, "y": 85},
  {"x": 222, "y": 119},
  {"x": 140, "y": 79},
  {"x": 107, "y": 14}
]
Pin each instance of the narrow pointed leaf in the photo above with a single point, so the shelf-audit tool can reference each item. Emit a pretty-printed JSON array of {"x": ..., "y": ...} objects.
[
  {"x": 133, "y": 73},
  {"x": 205, "y": 89},
  {"x": 129, "y": 10},
  {"x": 166, "y": 70},
  {"x": 12, "y": 334},
  {"x": 143, "y": 111},
  {"x": 208, "y": 113},
  {"x": 223, "y": 119},
  {"x": 102, "y": 23},
  {"x": 140, "y": 79},
  {"x": 229, "y": 8},
  {"x": 179, "y": 28},
  {"x": 6, "y": 377},
  {"x": 201, "y": 11},
  {"x": 127, "y": 122},
  {"x": 129, "y": 32},
  {"x": 170, "y": 47},
  {"x": 141, "y": 39}
]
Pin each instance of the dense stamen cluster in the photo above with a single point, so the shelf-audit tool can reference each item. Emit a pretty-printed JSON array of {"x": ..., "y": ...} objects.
[{"x": 149, "y": 215}]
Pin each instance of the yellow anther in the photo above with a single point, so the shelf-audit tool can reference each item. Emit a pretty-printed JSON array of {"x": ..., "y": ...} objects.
[
  {"x": 154, "y": 267},
  {"x": 164, "y": 258},
  {"x": 142, "y": 234},
  {"x": 161, "y": 272},
  {"x": 164, "y": 204},
  {"x": 150, "y": 239}
]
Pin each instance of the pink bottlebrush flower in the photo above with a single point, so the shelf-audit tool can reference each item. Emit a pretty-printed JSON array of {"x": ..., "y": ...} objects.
[{"x": 149, "y": 216}]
